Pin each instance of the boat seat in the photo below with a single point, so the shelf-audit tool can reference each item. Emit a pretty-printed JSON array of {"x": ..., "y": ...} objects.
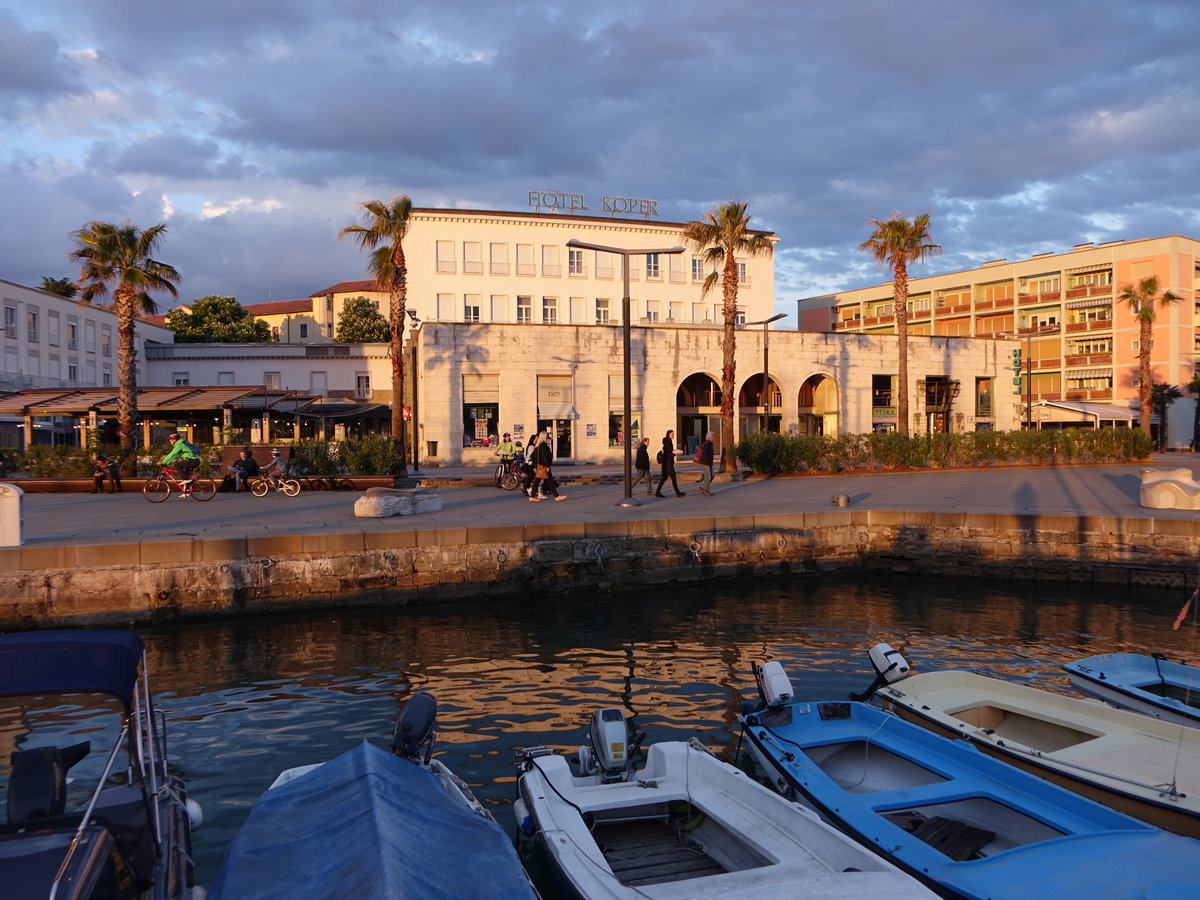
[
  {"x": 954, "y": 839},
  {"x": 37, "y": 787}
]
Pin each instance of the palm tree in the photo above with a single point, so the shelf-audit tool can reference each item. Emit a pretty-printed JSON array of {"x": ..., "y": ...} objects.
[
  {"x": 898, "y": 243},
  {"x": 64, "y": 287},
  {"x": 1141, "y": 298},
  {"x": 722, "y": 237},
  {"x": 1193, "y": 388},
  {"x": 1162, "y": 396},
  {"x": 384, "y": 233},
  {"x": 118, "y": 258}
]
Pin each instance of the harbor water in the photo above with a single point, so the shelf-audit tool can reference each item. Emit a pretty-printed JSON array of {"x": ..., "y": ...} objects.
[{"x": 245, "y": 699}]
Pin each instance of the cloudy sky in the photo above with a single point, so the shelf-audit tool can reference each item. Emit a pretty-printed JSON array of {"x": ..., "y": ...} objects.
[{"x": 253, "y": 128}]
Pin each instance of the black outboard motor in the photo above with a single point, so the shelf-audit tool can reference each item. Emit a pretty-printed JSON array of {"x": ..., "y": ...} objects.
[
  {"x": 37, "y": 787},
  {"x": 414, "y": 727},
  {"x": 889, "y": 666}
]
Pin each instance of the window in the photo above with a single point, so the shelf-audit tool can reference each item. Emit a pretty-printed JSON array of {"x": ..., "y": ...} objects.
[
  {"x": 72, "y": 372},
  {"x": 10, "y": 321},
  {"x": 106, "y": 342},
  {"x": 224, "y": 378},
  {"x": 918, "y": 303},
  {"x": 743, "y": 278},
  {"x": 31, "y": 325},
  {"x": 653, "y": 267},
  {"x": 999, "y": 290},
  {"x": 697, "y": 313},
  {"x": 179, "y": 379},
  {"x": 445, "y": 258},
  {"x": 318, "y": 383},
  {"x": 525, "y": 259},
  {"x": 575, "y": 262},
  {"x": 303, "y": 330},
  {"x": 956, "y": 296},
  {"x": 739, "y": 318},
  {"x": 697, "y": 268},
  {"x": 271, "y": 380},
  {"x": 498, "y": 259},
  {"x": 471, "y": 308},
  {"x": 1100, "y": 278},
  {"x": 472, "y": 258},
  {"x": 652, "y": 310},
  {"x": 881, "y": 394},
  {"x": 72, "y": 336},
  {"x": 1090, "y": 346},
  {"x": 549, "y": 310},
  {"x": 525, "y": 310},
  {"x": 550, "y": 266},
  {"x": 602, "y": 311},
  {"x": 89, "y": 337},
  {"x": 52, "y": 329},
  {"x": 106, "y": 378},
  {"x": 481, "y": 409},
  {"x": 275, "y": 332},
  {"x": 1041, "y": 285},
  {"x": 983, "y": 397},
  {"x": 362, "y": 386}
]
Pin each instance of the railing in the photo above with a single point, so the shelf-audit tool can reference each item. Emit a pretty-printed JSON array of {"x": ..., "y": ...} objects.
[
  {"x": 447, "y": 267},
  {"x": 498, "y": 268},
  {"x": 472, "y": 268}
]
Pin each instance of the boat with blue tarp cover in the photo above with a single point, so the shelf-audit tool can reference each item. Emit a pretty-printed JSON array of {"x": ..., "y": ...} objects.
[
  {"x": 119, "y": 826},
  {"x": 1150, "y": 684},
  {"x": 373, "y": 824},
  {"x": 968, "y": 825}
]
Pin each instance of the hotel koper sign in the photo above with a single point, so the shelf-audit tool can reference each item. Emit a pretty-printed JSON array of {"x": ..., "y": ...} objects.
[{"x": 564, "y": 202}]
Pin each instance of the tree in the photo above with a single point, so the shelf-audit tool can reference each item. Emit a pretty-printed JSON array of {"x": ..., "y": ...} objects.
[
  {"x": 360, "y": 322},
  {"x": 1193, "y": 388},
  {"x": 1162, "y": 396},
  {"x": 898, "y": 243},
  {"x": 118, "y": 258},
  {"x": 1141, "y": 299},
  {"x": 217, "y": 320},
  {"x": 64, "y": 287},
  {"x": 383, "y": 234},
  {"x": 722, "y": 236}
]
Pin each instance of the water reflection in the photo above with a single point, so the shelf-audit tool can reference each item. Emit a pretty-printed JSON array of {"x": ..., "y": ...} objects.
[{"x": 249, "y": 698}]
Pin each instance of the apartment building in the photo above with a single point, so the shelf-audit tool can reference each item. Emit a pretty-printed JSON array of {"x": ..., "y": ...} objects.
[{"x": 1079, "y": 344}]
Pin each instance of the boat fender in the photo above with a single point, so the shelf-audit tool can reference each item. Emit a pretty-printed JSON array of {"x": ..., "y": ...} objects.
[
  {"x": 693, "y": 818},
  {"x": 524, "y": 819},
  {"x": 195, "y": 812}
]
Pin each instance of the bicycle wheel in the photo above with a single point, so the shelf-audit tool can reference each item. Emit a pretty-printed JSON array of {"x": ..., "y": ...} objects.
[
  {"x": 509, "y": 481},
  {"x": 203, "y": 489},
  {"x": 290, "y": 486},
  {"x": 156, "y": 490},
  {"x": 259, "y": 487}
]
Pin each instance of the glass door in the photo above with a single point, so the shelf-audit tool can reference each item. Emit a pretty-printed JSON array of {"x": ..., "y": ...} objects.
[{"x": 560, "y": 437}]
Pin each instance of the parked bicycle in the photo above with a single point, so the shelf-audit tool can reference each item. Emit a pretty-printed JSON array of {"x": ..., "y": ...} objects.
[
  {"x": 158, "y": 488},
  {"x": 510, "y": 474},
  {"x": 261, "y": 485}
]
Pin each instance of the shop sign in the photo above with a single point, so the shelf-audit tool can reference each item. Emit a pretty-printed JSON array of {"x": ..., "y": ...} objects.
[{"x": 562, "y": 201}]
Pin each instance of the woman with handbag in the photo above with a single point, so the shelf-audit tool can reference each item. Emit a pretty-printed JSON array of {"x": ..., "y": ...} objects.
[{"x": 543, "y": 477}]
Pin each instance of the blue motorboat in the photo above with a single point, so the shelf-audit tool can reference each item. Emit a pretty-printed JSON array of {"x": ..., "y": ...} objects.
[
  {"x": 119, "y": 826},
  {"x": 373, "y": 824},
  {"x": 968, "y": 825},
  {"x": 1153, "y": 685}
]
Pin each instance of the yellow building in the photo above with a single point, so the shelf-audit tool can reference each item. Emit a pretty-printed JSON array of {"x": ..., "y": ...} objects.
[{"x": 291, "y": 321}]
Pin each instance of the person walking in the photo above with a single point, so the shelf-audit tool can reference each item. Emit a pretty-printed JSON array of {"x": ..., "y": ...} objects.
[
  {"x": 543, "y": 476},
  {"x": 114, "y": 475},
  {"x": 705, "y": 459},
  {"x": 99, "y": 474},
  {"x": 641, "y": 462},
  {"x": 667, "y": 460}
]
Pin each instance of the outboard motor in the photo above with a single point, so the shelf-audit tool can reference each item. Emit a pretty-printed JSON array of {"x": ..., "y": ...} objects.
[
  {"x": 609, "y": 749},
  {"x": 774, "y": 688},
  {"x": 889, "y": 666},
  {"x": 414, "y": 727},
  {"x": 37, "y": 787}
]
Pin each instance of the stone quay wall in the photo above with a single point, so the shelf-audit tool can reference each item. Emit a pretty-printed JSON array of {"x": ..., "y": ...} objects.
[{"x": 154, "y": 581}]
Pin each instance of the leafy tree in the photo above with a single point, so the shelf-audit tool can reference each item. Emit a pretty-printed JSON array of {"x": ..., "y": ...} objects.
[
  {"x": 64, "y": 287},
  {"x": 383, "y": 234},
  {"x": 1193, "y": 388},
  {"x": 118, "y": 258},
  {"x": 722, "y": 236},
  {"x": 1162, "y": 396},
  {"x": 1141, "y": 299},
  {"x": 361, "y": 323},
  {"x": 217, "y": 320},
  {"x": 898, "y": 243}
]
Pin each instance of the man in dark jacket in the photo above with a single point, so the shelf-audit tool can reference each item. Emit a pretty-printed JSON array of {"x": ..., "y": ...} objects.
[
  {"x": 706, "y": 464},
  {"x": 668, "y": 465},
  {"x": 641, "y": 462}
]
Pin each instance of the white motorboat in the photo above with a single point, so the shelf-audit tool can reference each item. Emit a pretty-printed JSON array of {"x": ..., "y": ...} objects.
[
  {"x": 1152, "y": 685},
  {"x": 685, "y": 826},
  {"x": 1147, "y": 768}
]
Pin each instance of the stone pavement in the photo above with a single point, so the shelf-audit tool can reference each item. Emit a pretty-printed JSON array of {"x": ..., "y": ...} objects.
[{"x": 1111, "y": 491}]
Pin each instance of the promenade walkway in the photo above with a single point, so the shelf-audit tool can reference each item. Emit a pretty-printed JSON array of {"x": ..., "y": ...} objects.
[{"x": 1107, "y": 491}]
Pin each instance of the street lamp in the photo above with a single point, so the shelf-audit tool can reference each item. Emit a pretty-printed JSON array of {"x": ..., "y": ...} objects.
[
  {"x": 767, "y": 367},
  {"x": 628, "y": 499},
  {"x": 416, "y": 409}
]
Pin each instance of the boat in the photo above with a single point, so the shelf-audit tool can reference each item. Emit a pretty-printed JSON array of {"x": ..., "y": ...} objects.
[
  {"x": 1149, "y": 684},
  {"x": 370, "y": 823},
  {"x": 120, "y": 824},
  {"x": 1144, "y": 767},
  {"x": 967, "y": 825},
  {"x": 684, "y": 826}
]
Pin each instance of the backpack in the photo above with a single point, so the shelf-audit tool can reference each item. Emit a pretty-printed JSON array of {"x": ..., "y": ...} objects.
[{"x": 658, "y": 459}]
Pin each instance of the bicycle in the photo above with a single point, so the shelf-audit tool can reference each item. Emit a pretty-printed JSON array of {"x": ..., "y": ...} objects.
[
  {"x": 509, "y": 475},
  {"x": 158, "y": 488},
  {"x": 260, "y": 485}
]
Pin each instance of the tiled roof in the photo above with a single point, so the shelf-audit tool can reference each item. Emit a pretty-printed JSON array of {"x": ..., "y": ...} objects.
[
  {"x": 345, "y": 287},
  {"x": 279, "y": 307}
]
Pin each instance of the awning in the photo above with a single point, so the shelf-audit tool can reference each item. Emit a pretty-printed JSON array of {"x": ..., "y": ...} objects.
[
  {"x": 556, "y": 411},
  {"x": 1080, "y": 374},
  {"x": 1078, "y": 411},
  {"x": 1088, "y": 304}
]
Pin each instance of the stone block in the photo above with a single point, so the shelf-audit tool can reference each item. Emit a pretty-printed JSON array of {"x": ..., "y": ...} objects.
[
  {"x": 1169, "y": 489},
  {"x": 380, "y": 503}
]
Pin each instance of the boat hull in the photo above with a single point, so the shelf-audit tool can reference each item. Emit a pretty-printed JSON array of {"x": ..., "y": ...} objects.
[{"x": 1145, "y": 684}]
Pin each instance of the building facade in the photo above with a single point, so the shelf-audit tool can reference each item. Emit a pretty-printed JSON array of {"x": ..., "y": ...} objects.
[{"x": 1078, "y": 343}]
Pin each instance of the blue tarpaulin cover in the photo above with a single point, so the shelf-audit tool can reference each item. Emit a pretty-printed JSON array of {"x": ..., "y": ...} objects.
[
  {"x": 368, "y": 824},
  {"x": 67, "y": 661}
]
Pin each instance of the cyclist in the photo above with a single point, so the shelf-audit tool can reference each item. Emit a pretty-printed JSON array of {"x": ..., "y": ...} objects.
[
  {"x": 275, "y": 469},
  {"x": 183, "y": 458},
  {"x": 507, "y": 451}
]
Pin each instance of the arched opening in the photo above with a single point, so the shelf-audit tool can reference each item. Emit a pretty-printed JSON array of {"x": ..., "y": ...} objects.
[
  {"x": 752, "y": 411},
  {"x": 818, "y": 406},
  {"x": 698, "y": 406}
]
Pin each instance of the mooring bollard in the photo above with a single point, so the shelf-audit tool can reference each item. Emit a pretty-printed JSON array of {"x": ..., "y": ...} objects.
[{"x": 12, "y": 515}]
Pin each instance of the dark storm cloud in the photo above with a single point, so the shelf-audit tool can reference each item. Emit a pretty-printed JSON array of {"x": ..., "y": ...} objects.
[{"x": 1021, "y": 126}]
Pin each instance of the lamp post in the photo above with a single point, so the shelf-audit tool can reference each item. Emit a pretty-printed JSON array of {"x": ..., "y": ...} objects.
[
  {"x": 767, "y": 367},
  {"x": 416, "y": 409},
  {"x": 628, "y": 499}
]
